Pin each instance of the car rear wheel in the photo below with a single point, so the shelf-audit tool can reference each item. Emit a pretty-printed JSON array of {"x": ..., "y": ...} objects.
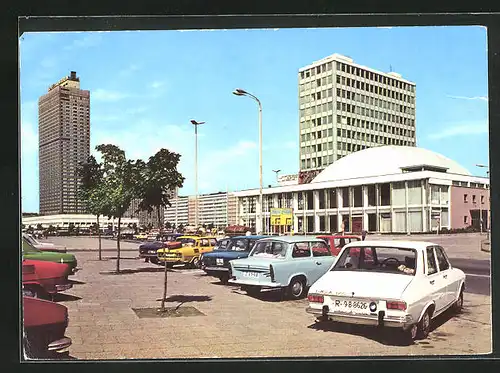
[
  {"x": 459, "y": 304},
  {"x": 153, "y": 260},
  {"x": 424, "y": 325},
  {"x": 297, "y": 288},
  {"x": 409, "y": 335},
  {"x": 224, "y": 279},
  {"x": 196, "y": 263}
]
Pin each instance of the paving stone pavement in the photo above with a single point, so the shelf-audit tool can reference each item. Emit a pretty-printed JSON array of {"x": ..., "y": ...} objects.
[{"x": 103, "y": 325}]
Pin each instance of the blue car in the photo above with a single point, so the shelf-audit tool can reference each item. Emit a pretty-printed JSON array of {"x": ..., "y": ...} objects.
[
  {"x": 216, "y": 263},
  {"x": 148, "y": 250},
  {"x": 289, "y": 263}
]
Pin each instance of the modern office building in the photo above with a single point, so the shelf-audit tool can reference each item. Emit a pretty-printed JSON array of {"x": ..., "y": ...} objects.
[
  {"x": 64, "y": 142},
  {"x": 345, "y": 107},
  {"x": 384, "y": 189},
  {"x": 217, "y": 209},
  {"x": 145, "y": 218}
]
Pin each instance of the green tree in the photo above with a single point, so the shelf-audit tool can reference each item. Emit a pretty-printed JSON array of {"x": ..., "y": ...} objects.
[
  {"x": 159, "y": 176},
  {"x": 119, "y": 183},
  {"x": 92, "y": 193},
  {"x": 39, "y": 227},
  {"x": 168, "y": 225}
]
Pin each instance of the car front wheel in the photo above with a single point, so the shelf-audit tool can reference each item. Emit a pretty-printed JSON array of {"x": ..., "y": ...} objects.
[{"x": 459, "y": 304}]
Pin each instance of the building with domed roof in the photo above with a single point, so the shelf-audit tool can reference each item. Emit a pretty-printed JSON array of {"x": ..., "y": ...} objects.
[{"x": 387, "y": 189}]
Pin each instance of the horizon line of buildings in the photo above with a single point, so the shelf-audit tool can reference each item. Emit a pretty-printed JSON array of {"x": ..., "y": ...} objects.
[{"x": 344, "y": 108}]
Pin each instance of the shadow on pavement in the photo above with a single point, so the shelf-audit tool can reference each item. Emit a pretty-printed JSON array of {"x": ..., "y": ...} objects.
[
  {"x": 62, "y": 356},
  {"x": 76, "y": 282},
  {"x": 128, "y": 271},
  {"x": 186, "y": 298},
  {"x": 61, "y": 297},
  {"x": 269, "y": 295},
  {"x": 388, "y": 336},
  {"x": 123, "y": 258}
]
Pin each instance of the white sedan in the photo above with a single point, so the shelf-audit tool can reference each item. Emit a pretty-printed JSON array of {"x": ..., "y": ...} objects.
[{"x": 398, "y": 284}]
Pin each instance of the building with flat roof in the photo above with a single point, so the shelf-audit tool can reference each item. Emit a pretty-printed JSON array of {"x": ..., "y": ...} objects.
[
  {"x": 384, "y": 189},
  {"x": 64, "y": 142},
  {"x": 345, "y": 107},
  {"x": 62, "y": 221},
  {"x": 217, "y": 209}
]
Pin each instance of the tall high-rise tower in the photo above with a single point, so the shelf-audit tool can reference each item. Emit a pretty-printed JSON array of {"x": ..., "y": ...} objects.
[
  {"x": 345, "y": 107},
  {"x": 64, "y": 141}
]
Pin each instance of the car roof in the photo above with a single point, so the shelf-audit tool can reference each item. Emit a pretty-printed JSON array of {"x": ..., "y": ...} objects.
[
  {"x": 417, "y": 245},
  {"x": 292, "y": 239},
  {"x": 251, "y": 236},
  {"x": 339, "y": 236},
  {"x": 197, "y": 237}
]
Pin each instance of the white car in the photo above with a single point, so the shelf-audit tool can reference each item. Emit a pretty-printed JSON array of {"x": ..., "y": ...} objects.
[
  {"x": 44, "y": 246},
  {"x": 397, "y": 284}
]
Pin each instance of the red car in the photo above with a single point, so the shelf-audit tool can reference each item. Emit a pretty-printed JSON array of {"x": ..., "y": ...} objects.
[
  {"x": 44, "y": 327},
  {"x": 337, "y": 242},
  {"x": 42, "y": 279}
]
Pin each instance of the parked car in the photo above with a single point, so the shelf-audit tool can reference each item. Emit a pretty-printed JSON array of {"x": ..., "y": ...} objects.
[
  {"x": 216, "y": 263},
  {"x": 337, "y": 242},
  {"x": 396, "y": 284},
  {"x": 31, "y": 252},
  {"x": 43, "y": 246},
  {"x": 42, "y": 279},
  {"x": 190, "y": 251},
  {"x": 44, "y": 326},
  {"x": 290, "y": 263},
  {"x": 140, "y": 236}
]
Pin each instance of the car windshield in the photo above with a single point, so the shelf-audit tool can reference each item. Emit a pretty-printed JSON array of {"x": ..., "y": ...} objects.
[
  {"x": 378, "y": 259},
  {"x": 237, "y": 245},
  {"x": 269, "y": 249},
  {"x": 170, "y": 238},
  {"x": 187, "y": 241},
  {"x": 222, "y": 245},
  {"x": 27, "y": 247}
]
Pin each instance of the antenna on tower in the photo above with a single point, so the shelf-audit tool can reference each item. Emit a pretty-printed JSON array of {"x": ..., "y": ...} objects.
[{"x": 390, "y": 68}]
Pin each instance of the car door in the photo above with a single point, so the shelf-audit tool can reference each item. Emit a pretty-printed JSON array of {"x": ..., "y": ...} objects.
[
  {"x": 303, "y": 262},
  {"x": 323, "y": 260},
  {"x": 447, "y": 275},
  {"x": 435, "y": 287}
]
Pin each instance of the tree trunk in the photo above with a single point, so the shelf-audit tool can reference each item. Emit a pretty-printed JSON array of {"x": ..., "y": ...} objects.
[
  {"x": 164, "y": 288},
  {"x": 160, "y": 225},
  {"x": 118, "y": 246},
  {"x": 99, "y": 237}
]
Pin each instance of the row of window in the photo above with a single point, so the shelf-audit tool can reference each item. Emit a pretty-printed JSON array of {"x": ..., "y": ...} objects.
[
  {"x": 359, "y": 72},
  {"x": 466, "y": 198}
]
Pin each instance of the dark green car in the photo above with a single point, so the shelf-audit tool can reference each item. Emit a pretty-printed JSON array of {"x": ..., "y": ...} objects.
[{"x": 31, "y": 252}]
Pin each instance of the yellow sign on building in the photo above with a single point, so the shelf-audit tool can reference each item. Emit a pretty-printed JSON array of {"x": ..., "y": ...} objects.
[{"x": 281, "y": 216}]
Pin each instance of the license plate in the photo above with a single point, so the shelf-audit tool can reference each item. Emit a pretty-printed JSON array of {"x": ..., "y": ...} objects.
[
  {"x": 219, "y": 261},
  {"x": 350, "y": 306},
  {"x": 152, "y": 252},
  {"x": 251, "y": 274}
]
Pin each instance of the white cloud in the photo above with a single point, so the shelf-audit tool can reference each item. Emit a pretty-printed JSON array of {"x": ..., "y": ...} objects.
[
  {"x": 128, "y": 70},
  {"x": 89, "y": 40},
  {"x": 481, "y": 98},
  {"x": 460, "y": 130},
  {"x": 157, "y": 84},
  {"x": 107, "y": 95}
]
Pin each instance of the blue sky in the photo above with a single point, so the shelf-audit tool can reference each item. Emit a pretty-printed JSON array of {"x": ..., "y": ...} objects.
[{"x": 147, "y": 86}]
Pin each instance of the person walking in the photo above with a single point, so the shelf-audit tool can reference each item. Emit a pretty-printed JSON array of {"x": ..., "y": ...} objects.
[{"x": 363, "y": 235}]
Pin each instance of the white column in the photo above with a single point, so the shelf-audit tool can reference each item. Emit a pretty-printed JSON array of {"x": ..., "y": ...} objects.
[
  {"x": 406, "y": 206},
  {"x": 392, "y": 211},
  {"x": 295, "y": 206},
  {"x": 377, "y": 203},
  {"x": 424, "y": 205},
  {"x": 316, "y": 208}
]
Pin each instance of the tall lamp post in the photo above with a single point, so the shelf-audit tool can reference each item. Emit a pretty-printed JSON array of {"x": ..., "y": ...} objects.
[
  {"x": 489, "y": 202},
  {"x": 196, "y": 124},
  {"x": 241, "y": 92},
  {"x": 277, "y": 172}
]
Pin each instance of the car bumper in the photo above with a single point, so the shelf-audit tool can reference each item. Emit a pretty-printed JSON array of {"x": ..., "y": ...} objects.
[
  {"x": 63, "y": 287},
  {"x": 147, "y": 255},
  {"x": 379, "y": 319},
  {"x": 216, "y": 269},
  {"x": 60, "y": 345},
  {"x": 170, "y": 260},
  {"x": 263, "y": 285}
]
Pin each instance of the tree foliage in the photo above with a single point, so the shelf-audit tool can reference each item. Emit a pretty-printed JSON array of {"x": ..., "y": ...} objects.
[{"x": 159, "y": 176}]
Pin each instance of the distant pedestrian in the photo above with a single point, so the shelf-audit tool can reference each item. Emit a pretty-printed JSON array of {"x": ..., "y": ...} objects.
[
  {"x": 342, "y": 227},
  {"x": 363, "y": 235}
]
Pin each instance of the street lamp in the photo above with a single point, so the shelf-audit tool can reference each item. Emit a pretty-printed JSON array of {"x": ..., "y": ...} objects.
[
  {"x": 241, "y": 92},
  {"x": 489, "y": 202},
  {"x": 276, "y": 172},
  {"x": 196, "y": 124}
]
